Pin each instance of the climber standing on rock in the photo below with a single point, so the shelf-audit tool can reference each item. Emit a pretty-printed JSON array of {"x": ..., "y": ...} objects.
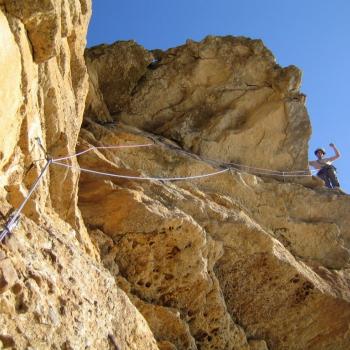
[{"x": 327, "y": 172}]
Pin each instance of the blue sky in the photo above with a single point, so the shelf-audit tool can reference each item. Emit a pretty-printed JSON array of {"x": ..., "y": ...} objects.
[{"x": 314, "y": 35}]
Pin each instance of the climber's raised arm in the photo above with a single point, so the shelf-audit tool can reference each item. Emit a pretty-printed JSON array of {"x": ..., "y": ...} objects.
[{"x": 336, "y": 153}]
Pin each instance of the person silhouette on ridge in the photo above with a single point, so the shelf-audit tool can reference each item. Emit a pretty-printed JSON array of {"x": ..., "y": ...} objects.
[{"x": 326, "y": 171}]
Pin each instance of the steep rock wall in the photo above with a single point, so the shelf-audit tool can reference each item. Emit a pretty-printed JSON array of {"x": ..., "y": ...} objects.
[
  {"x": 54, "y": 293},
  {"x": 272, "y": 256},
  {"x": 44, "y": 96},
  {"x": 223, "y": 98},
  {"x": 55, "y": 296},
  {"x": 234, "y": 261}
]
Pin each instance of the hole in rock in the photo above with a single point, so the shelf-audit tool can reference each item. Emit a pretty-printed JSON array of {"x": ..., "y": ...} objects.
[
  {"x": 168, "y": 276},
  {"x": 17, "y": 288},
  {"x": 21, "y": 307},
  {"x": 7, "y": 341}
]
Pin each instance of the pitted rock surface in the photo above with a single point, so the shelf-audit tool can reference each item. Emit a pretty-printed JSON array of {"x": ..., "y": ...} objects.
[
  {"x": 240, "y": 260},
  {"x": 224, "y": 98}
]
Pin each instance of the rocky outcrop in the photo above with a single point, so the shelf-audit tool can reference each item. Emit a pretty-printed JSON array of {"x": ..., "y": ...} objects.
[
  {"x": 239, "y": 260},
  {"x": 271, "y": 252},
  {"x": 62, "y": 298},
  {"x": 115, "y": 72},
  {"x": 246, "y": 262},
  {"x": 46, "y": 85},
  {"x": 11, "y": 97},
  {"x": 223, "y": 98},
  {"x": 47, "y": 297}
]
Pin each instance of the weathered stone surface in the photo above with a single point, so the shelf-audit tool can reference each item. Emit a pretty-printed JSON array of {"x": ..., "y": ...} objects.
[
  {"x": 63, "y": 298},
  {"x": 95, "y": 104},
  {"x": 42, "y": 22},
  {"x": 234, "y": 261},
  {"x": 117, "y": 70},
  {"x": 10, "y": 91},
  {"x": 8, "y": 275},
  {"x": 48, "y": 21},
  {"x": 54, "y": 293},
  {"x": 257, "y": 345},
  {"x": 166, "y": 257},
  {"x": 223, "y": 98},
  {"x": 45, "y": 98},
  {"x": 270, "y": 261}
]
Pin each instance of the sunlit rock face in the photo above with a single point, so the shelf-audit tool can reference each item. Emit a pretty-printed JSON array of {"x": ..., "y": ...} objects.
[
  {"x": 223, "y": 98},
  {"x": 43, "y": 89},
  {"x": 231, "y": 261},
  {"x": 10, "y": 95},
  {"x": 54, "y": 293}
]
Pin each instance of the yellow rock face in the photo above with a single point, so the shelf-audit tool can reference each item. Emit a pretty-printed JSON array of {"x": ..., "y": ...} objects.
[
  {"x": 10, "y": 91},
  {"x": 224, "y": 98},
  {"x": 245, "y": 262},
  {"x": 43, "y": 89},
  {"x": 54, "y": 293},
  {"x": 62, "y": 297},
  {"x": 239, "y": 260}
]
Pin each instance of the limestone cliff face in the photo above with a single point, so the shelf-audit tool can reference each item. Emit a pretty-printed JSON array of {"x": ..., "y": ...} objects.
[
  {"x": 233, "y": 261},
  {"x": 245, "y": 262},
  {"x": 43, "y": 95},
  {"x": 54, "y": 294},
  {"x": 223, "y": 98}
]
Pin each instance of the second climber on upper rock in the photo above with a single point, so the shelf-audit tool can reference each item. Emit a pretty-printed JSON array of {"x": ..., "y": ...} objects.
[{"x": 327, "y": 172}]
